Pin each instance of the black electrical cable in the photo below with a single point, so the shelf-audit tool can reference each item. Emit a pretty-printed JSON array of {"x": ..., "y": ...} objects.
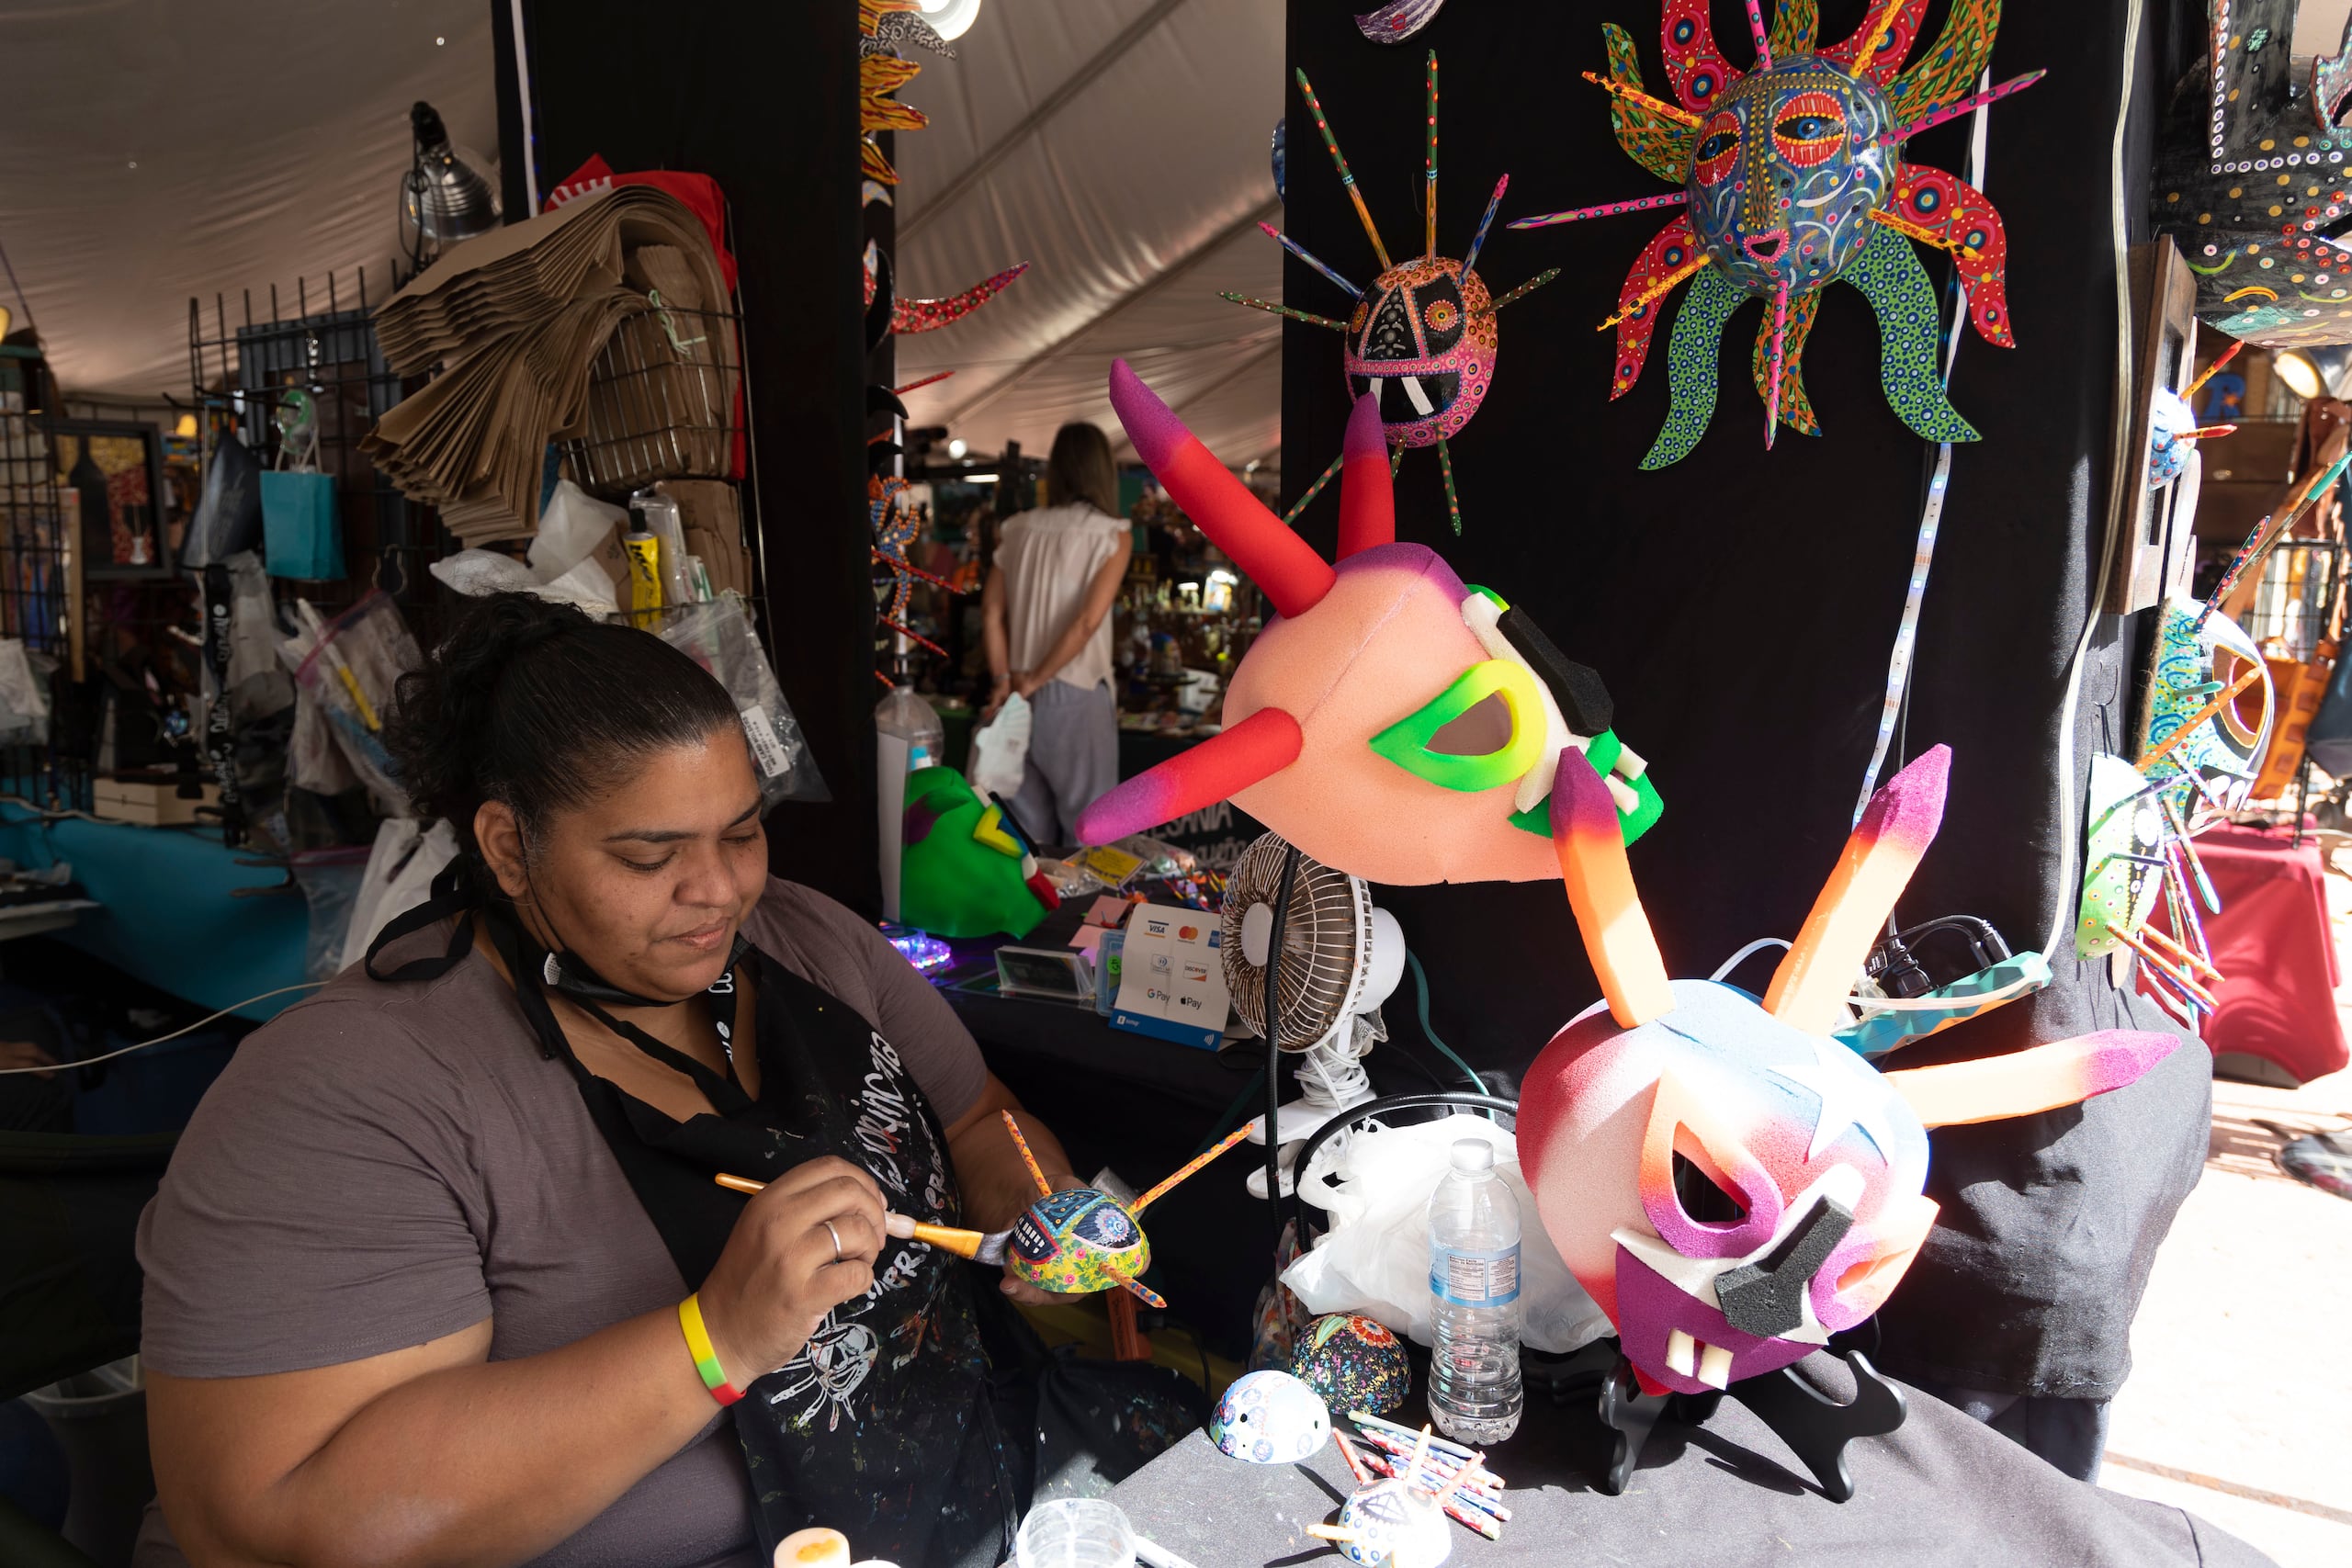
[{"x": 1273, "y": 1037}]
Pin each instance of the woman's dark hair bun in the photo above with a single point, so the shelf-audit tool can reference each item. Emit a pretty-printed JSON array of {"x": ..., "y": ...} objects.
[{"x": 538, "y": 705}]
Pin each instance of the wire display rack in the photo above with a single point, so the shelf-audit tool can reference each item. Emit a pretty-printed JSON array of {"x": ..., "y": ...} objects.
[
  {"x": 39, "y": 604},
  {"x": 243, "y": 364}
]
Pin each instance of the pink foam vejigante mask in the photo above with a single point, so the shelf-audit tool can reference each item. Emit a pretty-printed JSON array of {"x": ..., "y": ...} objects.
[{"x": 1731, "y": 1185}]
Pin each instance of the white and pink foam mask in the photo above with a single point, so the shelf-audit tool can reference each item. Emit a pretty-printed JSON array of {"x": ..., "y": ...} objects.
[
  {"x": 1389, "y": 720},
  {"x": 1731, "y": 1185}
]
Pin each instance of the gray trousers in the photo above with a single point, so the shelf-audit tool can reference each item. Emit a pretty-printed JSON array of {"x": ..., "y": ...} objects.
[{"x": 1073, "y": 759}]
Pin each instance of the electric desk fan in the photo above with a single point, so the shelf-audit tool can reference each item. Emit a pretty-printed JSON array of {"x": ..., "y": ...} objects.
[{"x": 1340, "y": 958}]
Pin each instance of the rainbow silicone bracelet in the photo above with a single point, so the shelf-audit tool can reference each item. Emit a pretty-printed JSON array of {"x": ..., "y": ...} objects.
[{"x": 698, "y": 1345}]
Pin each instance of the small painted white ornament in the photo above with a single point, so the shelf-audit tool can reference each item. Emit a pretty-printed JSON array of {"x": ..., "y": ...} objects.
[{"x": 1269, "y": 1419}]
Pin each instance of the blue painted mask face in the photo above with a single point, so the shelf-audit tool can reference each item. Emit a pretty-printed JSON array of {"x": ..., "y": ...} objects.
[{"x": 1790, "y": 166}]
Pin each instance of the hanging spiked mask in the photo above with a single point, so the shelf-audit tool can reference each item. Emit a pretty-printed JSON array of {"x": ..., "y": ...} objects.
[{"x": 1389, "y": 721}]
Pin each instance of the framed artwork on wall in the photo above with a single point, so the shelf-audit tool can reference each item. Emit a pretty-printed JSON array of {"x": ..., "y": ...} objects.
[{"x": 115, "y": 470}]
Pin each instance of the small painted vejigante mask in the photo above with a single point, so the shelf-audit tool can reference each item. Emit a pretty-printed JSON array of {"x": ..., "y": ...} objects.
[
  {"x": 1390, "y": 720},
  {"x": 2250, "y": 180},
  {"x": 1729, "y": 1184},
  {"x": 2210, "y": 709},
  {"x": 1422, "y": 340},
  {"x": 1792, "y": 179}
]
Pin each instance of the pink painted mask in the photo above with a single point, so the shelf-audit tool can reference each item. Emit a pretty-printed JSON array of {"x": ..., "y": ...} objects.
[{"x": 1731, "y": 1185}]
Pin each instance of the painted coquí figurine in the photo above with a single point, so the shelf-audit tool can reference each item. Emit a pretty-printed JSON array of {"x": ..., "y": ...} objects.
[
  {"x": 1390, "y": 720},
  {"x": 1421, "y": 341},
  {"x": 1792, "y": 178},
  {"x": 1729, "y": 1184}
]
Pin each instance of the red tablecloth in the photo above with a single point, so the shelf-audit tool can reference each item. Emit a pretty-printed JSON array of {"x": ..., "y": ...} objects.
[{"x": 2273, "y": 940}]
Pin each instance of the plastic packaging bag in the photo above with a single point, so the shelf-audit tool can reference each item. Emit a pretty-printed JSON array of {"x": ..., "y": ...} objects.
[
  {"x": 400, "y": 868},
  {"x": 1375, "y": 1258},
  {"x": 24, "y": 697},
  {"x": 718, "y": 636},
  {"x": 1001, "y": 749},
  {"x": 228, "y": 515},
  {"x": 345, "y": 671},
  {"x": 330, "y": 880},
  {"x": 258, "y": 685}
]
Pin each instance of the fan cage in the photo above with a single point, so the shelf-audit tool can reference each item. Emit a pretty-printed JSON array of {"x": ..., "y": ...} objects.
[{"x": 1327, "y": 944}]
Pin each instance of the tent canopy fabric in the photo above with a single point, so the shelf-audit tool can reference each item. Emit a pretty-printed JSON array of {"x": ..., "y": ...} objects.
[
  {"x": 1123, "y": 148},
  {"x": 157, "y": 152}
]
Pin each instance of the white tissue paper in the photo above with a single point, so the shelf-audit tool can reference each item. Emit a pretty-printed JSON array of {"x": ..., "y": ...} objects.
[
  {"x": 1001, "y": 749},
  {"x": 1374, "y": 1259}
]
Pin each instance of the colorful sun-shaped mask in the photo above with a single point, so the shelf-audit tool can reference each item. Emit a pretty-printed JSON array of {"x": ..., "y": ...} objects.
[{"x": 1792, "y": 178}]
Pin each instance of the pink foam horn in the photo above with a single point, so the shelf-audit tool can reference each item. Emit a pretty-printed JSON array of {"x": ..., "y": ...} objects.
[
  {"x": 1218, "y": 768},
  {"x": 2021, "y": 1083},
  {"x": 1281, "y": 563},
  {"x": 1367, "y": 496}
]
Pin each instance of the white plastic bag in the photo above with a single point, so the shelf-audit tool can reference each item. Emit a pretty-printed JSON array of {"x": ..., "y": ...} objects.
[
  {"x": 1001, "y": 749},
  {"x": 1375, "y": 1258},
  {"x": 401, "y": 869}
]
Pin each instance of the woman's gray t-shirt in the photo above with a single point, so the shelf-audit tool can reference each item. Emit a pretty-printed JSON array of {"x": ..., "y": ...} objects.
[{"x": 385, "y": 1164}]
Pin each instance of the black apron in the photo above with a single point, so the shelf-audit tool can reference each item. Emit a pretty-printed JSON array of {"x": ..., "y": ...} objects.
[{"x": 886, "y": 1425}]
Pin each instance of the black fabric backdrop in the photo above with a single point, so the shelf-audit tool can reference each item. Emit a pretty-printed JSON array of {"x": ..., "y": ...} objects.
[
  {"x": 764, "y": 99},
  {"x": 1741, "y": 605}
]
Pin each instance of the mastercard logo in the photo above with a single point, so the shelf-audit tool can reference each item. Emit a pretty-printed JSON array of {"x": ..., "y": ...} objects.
[{"x": 1187, "y": 933}]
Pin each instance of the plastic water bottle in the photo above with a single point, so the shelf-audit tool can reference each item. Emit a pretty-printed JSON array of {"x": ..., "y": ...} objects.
[{"x": 1475, "y": 1393}]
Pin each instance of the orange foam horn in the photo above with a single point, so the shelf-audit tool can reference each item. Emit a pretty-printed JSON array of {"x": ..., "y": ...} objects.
[
  {"x": 1282, "y": 565},
  {"x": 2022, "y": 1083},
  {"x": 1818, "y": 972},
  {"x": 1591, "y": 843},
  {"x": 1367, "y": 495}
]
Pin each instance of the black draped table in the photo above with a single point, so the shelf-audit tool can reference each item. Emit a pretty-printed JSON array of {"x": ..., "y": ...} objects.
[{"x": 1942, "y": 1490}]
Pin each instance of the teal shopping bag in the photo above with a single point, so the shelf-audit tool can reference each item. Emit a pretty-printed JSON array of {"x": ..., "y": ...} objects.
[{"x": 300, "y": 536}]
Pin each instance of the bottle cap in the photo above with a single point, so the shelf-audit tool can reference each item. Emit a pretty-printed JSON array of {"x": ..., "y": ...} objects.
[{"x": 1473, "y": 1153}]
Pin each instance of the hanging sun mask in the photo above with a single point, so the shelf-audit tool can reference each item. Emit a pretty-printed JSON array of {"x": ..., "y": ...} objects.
[
  {"x": 1730, "y": 1185},
  {"x": 1390, "y": 721},
  {"x": 1793, "y": 179}
]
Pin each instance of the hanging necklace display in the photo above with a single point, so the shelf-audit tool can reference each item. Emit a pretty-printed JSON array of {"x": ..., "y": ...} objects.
[
  {"x": 1793, "y": 179},
  {"x": 1423, "y": 340}
]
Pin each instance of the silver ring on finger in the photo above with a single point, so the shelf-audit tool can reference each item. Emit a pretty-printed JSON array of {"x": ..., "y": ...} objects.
[{"x": 837, "y": 1239}]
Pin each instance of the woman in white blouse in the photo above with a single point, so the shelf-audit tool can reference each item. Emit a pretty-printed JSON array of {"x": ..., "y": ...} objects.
[{"x": 1047, "y": 610}]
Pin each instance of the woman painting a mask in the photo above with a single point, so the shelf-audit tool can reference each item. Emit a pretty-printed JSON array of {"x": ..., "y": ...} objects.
[{"x": 439, "y": 1272}]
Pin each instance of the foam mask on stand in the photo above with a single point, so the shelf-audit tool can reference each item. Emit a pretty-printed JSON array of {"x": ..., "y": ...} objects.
[
  {"x": 963, "y": 871},
  {"x": 1793, "y": 179},
  {"x": 1422, "y": 340},
  {"x": 1729, "y": 1184},
  {"x": 1389, "y": 721},
  {"x": 2208, "y": 725}
]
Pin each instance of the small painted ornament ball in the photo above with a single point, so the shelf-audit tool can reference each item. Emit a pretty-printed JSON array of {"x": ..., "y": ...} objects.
[
  {"x": 1269, "y": 1419},
  {"x": 1077, "y": 1241},
  {"x": 1395, "y": 1525},
  {"x": 1354, "y": 1363}
]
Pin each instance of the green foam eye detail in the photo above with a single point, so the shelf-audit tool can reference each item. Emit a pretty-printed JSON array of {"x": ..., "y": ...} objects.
[{"x": 1407, "y": 742}]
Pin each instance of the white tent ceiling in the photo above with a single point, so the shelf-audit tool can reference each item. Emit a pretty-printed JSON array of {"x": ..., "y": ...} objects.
[
  {"x": 155, "y": 152},
  {"x": 1121, "y": 146},
  {"x": 151, "y": 151}
]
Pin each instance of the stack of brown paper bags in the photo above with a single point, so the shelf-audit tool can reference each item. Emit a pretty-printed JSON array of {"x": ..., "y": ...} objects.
[{"x": 528, "y": 323}]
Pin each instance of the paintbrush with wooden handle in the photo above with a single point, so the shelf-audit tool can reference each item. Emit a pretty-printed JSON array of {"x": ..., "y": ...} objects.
[{"x": 980, "y": 1246}]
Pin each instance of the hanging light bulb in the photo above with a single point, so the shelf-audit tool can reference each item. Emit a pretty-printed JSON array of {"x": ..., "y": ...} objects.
[
  {"x": 445, "y": 195},
  {"x": 951, "y": 18}
]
